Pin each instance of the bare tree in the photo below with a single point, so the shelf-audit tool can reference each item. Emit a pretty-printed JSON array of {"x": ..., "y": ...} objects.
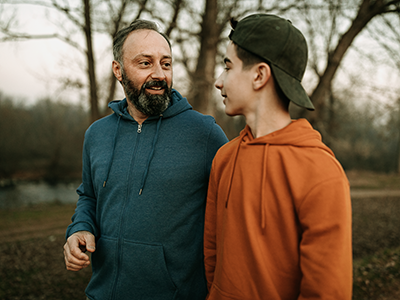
[
  {"x": 366, "y": 11},
  {"x": 388, "y": 37},
  {"x": 86, "y": 19},
  {"x": 200, "y": 51}
]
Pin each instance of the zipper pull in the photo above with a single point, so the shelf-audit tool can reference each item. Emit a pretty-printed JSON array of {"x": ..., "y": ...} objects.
[{"x": 139, "y": 130}]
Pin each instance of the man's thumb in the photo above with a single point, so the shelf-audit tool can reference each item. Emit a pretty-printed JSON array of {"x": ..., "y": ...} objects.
[{"x": 90, "y": 243}]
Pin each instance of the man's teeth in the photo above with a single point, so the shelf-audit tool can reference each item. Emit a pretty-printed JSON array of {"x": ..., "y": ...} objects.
[{"x": 156, "y": 88}]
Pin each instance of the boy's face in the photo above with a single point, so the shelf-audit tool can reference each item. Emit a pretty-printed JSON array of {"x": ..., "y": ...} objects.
[{"x": 235, "y": 84}]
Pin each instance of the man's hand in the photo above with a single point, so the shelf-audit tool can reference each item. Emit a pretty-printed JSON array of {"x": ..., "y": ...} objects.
[{"x": 75, "y": 248}]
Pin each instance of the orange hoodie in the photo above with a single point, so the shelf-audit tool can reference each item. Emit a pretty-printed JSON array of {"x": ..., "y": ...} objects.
[{"x": 278, "y": 219}]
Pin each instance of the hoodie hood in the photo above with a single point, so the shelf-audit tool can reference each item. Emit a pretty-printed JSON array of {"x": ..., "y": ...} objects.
[
  {"x": 178, "y": 105},
  {"x": 298, "y": 134}
]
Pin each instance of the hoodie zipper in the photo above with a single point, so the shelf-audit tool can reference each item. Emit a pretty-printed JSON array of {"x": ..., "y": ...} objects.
[{"x": 122, "y": 218}]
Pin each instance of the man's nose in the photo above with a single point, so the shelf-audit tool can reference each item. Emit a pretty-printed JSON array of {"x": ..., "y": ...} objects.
[{"x": 158, "y": 73}]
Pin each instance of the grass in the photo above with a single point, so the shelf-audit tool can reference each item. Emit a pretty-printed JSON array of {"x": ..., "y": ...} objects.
[
  {"x": 377, "y": 277},
  {"x": 32, "y": 263},
  {"x": 44, "y": 213}
]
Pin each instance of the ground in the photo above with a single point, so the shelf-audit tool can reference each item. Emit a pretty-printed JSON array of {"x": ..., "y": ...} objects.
[
  {"x": 31, "y": 255},
  {"x": 31, "y": 241}
]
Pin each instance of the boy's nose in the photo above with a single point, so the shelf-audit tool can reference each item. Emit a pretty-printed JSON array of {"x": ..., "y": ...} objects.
[{"x": 218, "y": 83}]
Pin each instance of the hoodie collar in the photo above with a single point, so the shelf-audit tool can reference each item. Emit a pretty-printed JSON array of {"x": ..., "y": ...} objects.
[
  {"x": 178, "y": 104},
  {"x": 289, "y": 135}
]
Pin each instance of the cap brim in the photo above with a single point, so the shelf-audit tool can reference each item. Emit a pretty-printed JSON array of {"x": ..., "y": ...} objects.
[{"x": 292, "y": 88}]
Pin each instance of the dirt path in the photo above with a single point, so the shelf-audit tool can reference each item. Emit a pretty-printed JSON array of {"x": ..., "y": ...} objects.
[
  {"x": 50, "y": 221},
  {"x": 48, "y": 230},
  {"x": 45, "y": 221},
  {"x": 362, "y": 193}
]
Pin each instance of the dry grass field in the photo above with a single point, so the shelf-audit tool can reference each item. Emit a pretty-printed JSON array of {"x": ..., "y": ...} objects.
[{"x": 31, "y": 240}]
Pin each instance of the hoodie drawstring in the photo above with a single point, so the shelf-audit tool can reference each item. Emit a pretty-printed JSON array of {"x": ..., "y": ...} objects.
[
  {"x": 151, "y": 154},
  {"x": 263, "y": 178},
  {"x": 148, "y": 160},
  {"x": 112, "y": 152}
]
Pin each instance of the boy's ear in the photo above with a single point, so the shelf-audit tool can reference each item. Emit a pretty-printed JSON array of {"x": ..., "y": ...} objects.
[
  {"x": 262, "y": 75},
  {"x": 116, "y": 67}
]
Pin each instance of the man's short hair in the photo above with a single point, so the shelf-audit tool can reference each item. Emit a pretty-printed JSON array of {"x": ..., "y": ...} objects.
[{"x": 121, "y": 36}]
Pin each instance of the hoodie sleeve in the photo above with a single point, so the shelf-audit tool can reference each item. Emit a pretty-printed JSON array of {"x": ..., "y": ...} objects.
[
  {"x": 84, "y": 218},
  {"x": 326, "y": 245},
  {"x": 216, "y": 139},
  {"x": 210, "y": 229}
]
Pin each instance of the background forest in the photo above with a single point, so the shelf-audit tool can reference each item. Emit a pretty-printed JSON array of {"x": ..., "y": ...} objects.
[{"x": 352, "y": 76}]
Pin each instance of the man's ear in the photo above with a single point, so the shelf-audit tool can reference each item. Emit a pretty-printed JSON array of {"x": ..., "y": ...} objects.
[
  {"x": 262, "y": 75},
  {"x": 116, "y": 67}
]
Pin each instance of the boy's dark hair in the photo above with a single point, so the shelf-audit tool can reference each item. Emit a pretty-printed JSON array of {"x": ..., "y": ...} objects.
[
  {"x": 279, "y": 44},
  {"x": 249, "y": 59}
]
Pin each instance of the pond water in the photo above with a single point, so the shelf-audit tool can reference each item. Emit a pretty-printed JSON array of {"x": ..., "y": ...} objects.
[{"x": 28, "y": 193}]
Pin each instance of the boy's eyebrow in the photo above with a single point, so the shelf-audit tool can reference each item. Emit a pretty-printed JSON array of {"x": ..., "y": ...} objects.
[{"x": 227, "y": 60}]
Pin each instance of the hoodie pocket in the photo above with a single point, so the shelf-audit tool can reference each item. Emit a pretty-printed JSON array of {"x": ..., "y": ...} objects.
[
  {"x": 104, "y": 269},
  {"x": 144, "y": 273}
]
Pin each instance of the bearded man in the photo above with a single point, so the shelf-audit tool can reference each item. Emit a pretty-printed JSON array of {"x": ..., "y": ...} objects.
[{"x": 140, "y": 211}]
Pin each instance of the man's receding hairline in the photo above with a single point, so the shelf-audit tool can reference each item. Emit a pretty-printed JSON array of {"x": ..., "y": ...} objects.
[{"x": 144, "y": 29}]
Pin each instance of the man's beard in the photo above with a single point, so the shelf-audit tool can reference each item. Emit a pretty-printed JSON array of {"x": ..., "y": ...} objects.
[{"x": 147, "y": 104}]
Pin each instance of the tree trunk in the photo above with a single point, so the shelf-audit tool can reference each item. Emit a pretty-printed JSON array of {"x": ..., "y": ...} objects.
[
  {"x": 203, "y": 78},
  {"x": 111, "y": 92},
  {"x": 94, "y": 108},
  {"x": 398, "y": 136}
]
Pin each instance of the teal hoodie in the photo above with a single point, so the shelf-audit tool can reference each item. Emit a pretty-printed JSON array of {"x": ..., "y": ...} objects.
[{"x": 143, "y": 196}]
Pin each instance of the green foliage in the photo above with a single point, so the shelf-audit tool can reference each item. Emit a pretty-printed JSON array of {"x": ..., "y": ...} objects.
[{"x": 42, "y": 141}]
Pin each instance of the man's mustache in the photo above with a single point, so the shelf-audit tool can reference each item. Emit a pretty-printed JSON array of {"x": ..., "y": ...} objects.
[{"x": 155, "y": 83}]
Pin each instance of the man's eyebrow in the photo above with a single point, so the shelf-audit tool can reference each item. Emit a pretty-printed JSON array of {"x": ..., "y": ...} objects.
[{"x": 151, "y": 56}]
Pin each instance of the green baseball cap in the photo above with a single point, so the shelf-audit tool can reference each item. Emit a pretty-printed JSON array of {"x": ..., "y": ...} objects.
[{"x": 281, "y": 44}]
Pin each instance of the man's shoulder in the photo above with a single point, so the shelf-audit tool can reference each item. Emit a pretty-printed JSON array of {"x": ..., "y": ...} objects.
[
  {"x": 196, "y": 116},
  {"x": 196, "y": 120},
  {"x": 102, "y": 125},
  {"x": 227, "y": 150}
]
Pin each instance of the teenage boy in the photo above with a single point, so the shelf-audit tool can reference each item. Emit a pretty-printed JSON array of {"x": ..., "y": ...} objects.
[{"x": 278, "y": 216}]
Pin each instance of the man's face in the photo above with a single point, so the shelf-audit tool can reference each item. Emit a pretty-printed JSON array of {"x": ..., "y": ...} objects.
[
  {"x": 147, "y": 103},
  {"x": 147, "y": 72},
  {"x": 235, "y": 84}
]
